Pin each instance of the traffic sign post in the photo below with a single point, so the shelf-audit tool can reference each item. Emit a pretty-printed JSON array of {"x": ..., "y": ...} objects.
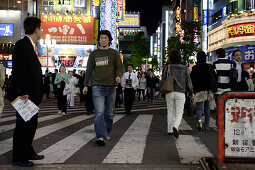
[{"x": 236, "y": 129}]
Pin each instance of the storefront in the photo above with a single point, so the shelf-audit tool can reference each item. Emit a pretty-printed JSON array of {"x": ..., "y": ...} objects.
[
  {"x": 236, "y": 32},
  {"x": 73, "y": 28},
  {"x": 71, "y": 56}
]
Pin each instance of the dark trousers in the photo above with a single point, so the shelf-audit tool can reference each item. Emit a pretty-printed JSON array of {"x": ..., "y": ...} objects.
[
  {"x": 129, "y": 97},
  {"x": 61, "y": 100},
  {"x": 23, "y": 137},
  {"x": 141, "y": 92},
  {"x": 89, "y": 105}
]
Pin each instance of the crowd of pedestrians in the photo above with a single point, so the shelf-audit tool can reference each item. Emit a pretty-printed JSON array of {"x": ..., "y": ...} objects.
[{"x": 105, "y": 86}]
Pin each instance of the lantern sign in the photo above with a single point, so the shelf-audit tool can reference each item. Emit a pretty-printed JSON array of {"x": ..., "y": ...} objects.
[{"x": 178, "y": 20}]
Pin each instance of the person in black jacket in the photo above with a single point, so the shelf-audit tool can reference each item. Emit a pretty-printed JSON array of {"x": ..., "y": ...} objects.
[
  {"x": 203, "y": 79},
  {"x": 241, "y": 84},
  {"x": 151, "y": 80},
  {"x": 26, "y": 82}
]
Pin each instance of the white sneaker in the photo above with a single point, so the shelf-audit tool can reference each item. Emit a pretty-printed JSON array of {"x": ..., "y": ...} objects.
[
  {"x": 63, "y": 113},
  {"x": 59, "y": 112}
]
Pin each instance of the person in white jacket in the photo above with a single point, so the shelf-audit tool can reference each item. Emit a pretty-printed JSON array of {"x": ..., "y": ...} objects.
[
  {"x": 130, "y": 83},
  {"x": 73, "y": 82}
]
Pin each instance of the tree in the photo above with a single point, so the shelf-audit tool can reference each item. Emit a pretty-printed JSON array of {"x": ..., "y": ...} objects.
[
  {"x": 188, "y": 47},
  {"x": 139, "y": 49}
]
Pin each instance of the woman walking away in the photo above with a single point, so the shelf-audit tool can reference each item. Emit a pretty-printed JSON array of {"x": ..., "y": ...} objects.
[
  {"x": 203, "y": 78},
  {"x": 175, "y": 100},
  {"x": 72, "y": 84},
  {"x": 142, "y": 87},
  {"x": 61, "y": 79}
]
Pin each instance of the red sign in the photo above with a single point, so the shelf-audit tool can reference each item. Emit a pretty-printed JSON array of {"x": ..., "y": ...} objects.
[
  {"x": 68, "y": 28},
  {"x": 5, "y": 56},
  {"x": 240, "y": 30},
  {"x": 119, "y": 10},
  {"x": 67, "y": 61}
]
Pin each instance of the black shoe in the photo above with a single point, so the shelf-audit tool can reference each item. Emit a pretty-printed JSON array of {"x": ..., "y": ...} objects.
[
  {"x": 127, "y": 112},
  {"x": 170, "y": 133},
  {"x": 176, "y": 134},
  {"x": 199, "y": 128},
  {"x": 205, "y": 130},
  {"x": 36, "y": 157},
  {"x": 23, "y": 163},
  {"x": 100, "y": 142},
  {"x": 89, "y": 112}
]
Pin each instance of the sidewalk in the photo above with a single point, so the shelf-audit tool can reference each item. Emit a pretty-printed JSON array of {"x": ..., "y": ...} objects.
[{"x": 103, "y": 167}]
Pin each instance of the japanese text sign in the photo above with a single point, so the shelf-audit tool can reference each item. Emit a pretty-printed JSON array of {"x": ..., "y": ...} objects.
[
  {"x": 80, "y": 4},
  {"x": 130, "y": 20},
  {"x": 120, "y": 10},
  {"x": 240, "y": 128},
  {"x": 239, "y": 30},
  {"x": 248, "y": 52},
  {"x": 68, "y": 28}
]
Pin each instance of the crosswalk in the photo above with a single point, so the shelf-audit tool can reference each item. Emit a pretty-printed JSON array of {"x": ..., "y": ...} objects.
[{"x": 135, "y": 138}]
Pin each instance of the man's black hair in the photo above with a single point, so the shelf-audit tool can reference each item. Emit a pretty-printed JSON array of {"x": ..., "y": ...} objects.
[
  {"x": 30, "y": 24},
  {"x": 234, "y": 52},
  {"x": 131, "y": 65},
  {"x": 104, "y": 32},
  {"x": 221, "y": 53}
]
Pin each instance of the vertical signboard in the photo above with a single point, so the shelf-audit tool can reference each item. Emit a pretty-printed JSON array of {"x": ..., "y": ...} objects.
[
  {"x": 120, "y": 10},
  {"x": 240, "y": 128}
]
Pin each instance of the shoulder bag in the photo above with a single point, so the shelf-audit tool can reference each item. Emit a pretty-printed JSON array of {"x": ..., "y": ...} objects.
[{"x": 168, "y": 85}]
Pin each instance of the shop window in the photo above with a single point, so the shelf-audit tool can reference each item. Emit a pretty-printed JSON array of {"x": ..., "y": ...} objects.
[{"x": 233, "y": 7}]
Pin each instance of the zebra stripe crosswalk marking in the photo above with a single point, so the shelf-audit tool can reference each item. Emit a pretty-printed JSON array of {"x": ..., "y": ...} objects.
[
  {"x": 62, "y": 150},
  {"x": 190, "y": 149},
  {"x": 6, "y": 145},
  {"x": 130, "y": 147},
  {"x": 5, "y": 128}
]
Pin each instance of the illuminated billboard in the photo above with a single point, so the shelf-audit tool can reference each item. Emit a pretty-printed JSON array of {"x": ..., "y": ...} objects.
[
  {"x": 6, "y": 30},
  {"x": 130, "y": 20},
  {"x": 68, "y": 28}
]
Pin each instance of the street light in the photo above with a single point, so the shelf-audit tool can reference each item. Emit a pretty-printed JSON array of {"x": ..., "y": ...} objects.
[
  {"x": 147, "y": 59},
  {"x": 48, "y": 43}
]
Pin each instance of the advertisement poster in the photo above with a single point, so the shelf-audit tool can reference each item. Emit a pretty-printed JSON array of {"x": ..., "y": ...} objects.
[
  {"x": 68, "y": 29},
  {"x": 240, "y": 128},
  {"x": 130, "y": 20}
]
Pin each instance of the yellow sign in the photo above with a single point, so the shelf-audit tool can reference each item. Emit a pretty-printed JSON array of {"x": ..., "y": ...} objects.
[
  {"x": 178, "y": 13},
  {"x": 130, "y": 20},
  {"x": 241, "y": 30},
  {"x": 95, "y": 3},
  {"x": 195, "y": 13}
]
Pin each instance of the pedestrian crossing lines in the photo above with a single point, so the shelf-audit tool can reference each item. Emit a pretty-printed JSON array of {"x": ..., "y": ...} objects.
[{"x": 70, "y": 139}]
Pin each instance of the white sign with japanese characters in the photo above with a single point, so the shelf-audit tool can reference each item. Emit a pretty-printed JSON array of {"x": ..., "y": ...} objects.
[{"x": 240, "y": 128}]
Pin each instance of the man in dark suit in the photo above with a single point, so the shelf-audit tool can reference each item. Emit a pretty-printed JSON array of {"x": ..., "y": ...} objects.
[
  {"x": 241, "y": 84},
  {"x": 27, "y": 83}
]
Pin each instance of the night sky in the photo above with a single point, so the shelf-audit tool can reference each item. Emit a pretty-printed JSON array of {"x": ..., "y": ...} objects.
[{"x": 150, "y": 12}]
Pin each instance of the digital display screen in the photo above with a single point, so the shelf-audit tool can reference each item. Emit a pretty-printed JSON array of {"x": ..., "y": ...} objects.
[{"x": 6, "y": 30}]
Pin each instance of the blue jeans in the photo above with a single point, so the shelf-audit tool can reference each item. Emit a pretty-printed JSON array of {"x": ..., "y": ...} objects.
[
  {"x": 151, "y": 92},
  {"x": 203, "y": 107},
  {"x": 104, "y": 102}
]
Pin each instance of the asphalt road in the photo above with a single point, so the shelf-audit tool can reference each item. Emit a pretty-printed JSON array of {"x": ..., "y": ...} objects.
[{"x": 139, "y": 139}]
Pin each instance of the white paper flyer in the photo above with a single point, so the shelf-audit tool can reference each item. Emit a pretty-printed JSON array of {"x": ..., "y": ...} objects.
[{"x": 26, "y": 110}]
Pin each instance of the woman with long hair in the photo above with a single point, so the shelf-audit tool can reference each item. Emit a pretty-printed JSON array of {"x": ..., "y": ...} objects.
[
  {"x": 175, "y": 100},
  {"x": 61, "y": 79}
]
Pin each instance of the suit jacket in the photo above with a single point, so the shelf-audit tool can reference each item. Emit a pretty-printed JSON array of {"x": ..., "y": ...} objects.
[{"x": 26, "y": 71}]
